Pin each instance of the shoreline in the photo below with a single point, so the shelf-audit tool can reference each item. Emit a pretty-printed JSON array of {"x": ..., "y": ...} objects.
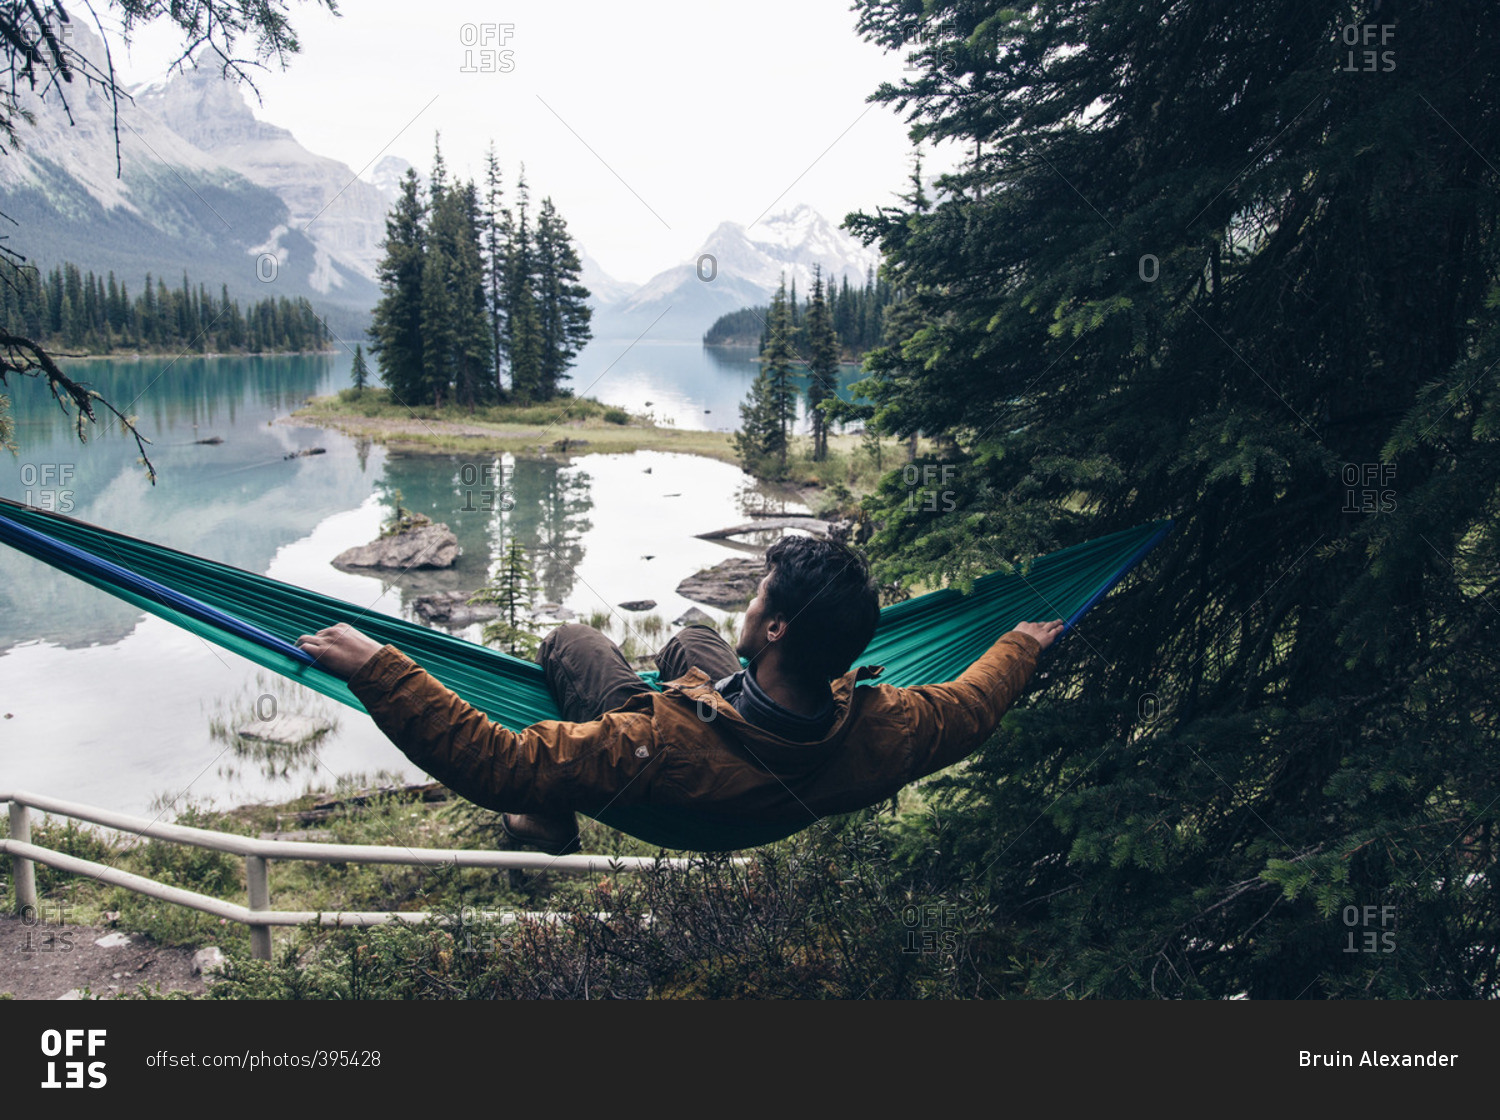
[
  {"x": 568, "y": 427},
  {"x": 566, "y": 438},
  {"x": 418, "y": 434},
  {"x": 140, "y": 355}
]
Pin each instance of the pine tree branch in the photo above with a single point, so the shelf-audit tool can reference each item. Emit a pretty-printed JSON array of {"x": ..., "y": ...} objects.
[{"x": 22, "y": 356}]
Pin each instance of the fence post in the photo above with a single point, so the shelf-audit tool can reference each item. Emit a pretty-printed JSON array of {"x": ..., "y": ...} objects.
[
  {"x": 260, "y": 899},
  {"x": 21, "y": 867}
]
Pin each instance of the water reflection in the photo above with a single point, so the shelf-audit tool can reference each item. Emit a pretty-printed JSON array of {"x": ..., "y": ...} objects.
[
  {"x": 489, "y": 501},
  {"x": 558, "y": 500},
  {"x": 271, "y": 728}
]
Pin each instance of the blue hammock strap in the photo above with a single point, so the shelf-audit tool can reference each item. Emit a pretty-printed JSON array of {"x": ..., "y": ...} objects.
[
  {"x": 1135, "y": 558},
  {"x": 49, "y": 550}
]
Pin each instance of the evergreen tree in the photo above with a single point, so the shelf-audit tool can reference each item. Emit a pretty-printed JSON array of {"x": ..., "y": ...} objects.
[
  {"x": 359, "y": 373},
  {"x": 563, "y": 312},
  {"x": 822, "y": 363},
  {"x": 768, "y": 411},
  {"x": 473, "y": 340},
  {"x": 1193, "y": 272},
  {"x": 437, "y": 323},
  {"x": 495, "y": 249},
  {"x": 511, "y": 589},
  {"x": 187, "y": 322},
  {"x": 759, "y": 441},
  {"x": 523, "y": 328},
  {"x": 396, "y": 336},
  {"x": 148, "y": 312}
]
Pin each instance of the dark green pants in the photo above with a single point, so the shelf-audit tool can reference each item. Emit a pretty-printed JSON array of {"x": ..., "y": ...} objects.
[{"x": 588, "y": 675}]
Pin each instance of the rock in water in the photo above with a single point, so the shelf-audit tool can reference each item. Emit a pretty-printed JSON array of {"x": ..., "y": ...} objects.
[
  {"x": 693, "y": 616},
  {"x": 637, "y": 604},
  {"x": 453, "y": 609},
  {"x": 728, "y": 586},
  {"x": 428, "y": 546}
]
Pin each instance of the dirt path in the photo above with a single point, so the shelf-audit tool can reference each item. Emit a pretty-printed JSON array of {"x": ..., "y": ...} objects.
[{"x": 42, "y": 959}]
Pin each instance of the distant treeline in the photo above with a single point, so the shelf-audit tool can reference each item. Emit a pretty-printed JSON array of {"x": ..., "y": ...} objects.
[
  {"x": 69, "y": 309},
  {"x": 858, "y": 317}
]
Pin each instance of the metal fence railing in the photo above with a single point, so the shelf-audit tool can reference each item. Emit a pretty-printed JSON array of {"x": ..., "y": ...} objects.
[{"x": 257, "y": 854}]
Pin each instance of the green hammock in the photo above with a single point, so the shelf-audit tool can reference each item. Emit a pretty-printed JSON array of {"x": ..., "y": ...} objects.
[{"x": 924, "y": 640}]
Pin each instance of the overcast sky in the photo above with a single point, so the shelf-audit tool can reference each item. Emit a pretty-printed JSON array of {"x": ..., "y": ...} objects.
[{"x": 648, "y": 123}]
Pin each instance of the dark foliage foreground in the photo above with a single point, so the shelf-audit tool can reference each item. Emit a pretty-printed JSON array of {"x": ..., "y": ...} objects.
[{"x": 825, "y": 915}]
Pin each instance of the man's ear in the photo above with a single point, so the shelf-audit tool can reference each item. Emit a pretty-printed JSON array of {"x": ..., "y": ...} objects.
[{"x": 776, "y": 628}]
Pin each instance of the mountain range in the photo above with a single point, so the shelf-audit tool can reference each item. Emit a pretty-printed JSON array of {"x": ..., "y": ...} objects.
[
  {"x": 201, "y": 186},
  {"x": 206, "y": 187},
  {"x": 738, "y": 266}
]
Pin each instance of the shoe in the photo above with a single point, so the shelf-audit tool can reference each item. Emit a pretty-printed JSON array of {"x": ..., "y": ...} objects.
[{"x": 557, "y": 835}]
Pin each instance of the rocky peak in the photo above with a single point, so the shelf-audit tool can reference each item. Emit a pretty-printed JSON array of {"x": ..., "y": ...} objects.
[{"x": 207, "y": 110}]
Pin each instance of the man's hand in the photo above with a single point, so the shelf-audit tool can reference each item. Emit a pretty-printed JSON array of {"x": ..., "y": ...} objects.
[
  {"x": 341, "y": 650},
  {"x": 1044, "y": 632}
]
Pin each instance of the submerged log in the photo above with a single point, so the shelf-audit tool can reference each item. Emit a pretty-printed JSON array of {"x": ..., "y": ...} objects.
[{"x": 814, "y": 525}]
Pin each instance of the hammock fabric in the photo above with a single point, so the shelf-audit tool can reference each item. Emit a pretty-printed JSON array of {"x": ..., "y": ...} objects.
[{"x": 924, "y": 640}]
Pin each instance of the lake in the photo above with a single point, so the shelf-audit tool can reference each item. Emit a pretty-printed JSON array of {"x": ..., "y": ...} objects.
[{"x": 103, "y": 704}]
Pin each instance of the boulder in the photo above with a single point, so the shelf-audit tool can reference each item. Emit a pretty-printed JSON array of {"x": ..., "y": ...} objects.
[
  {"x": 729, "y": 585},
  {"x": 693, "y": 617},
  {"x": 453, "y": 609},
  {"x": 427, "y": 546},
  {"x": 209, "y": 963},
  {"x": 637, "y": 605}
]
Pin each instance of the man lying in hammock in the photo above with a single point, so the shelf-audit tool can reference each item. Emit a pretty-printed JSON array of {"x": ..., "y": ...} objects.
[{"x": 723, "y": 757}]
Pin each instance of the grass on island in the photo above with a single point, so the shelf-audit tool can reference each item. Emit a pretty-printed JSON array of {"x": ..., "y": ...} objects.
[
  {"x": 570, "y": 425},
  {"x": 582, "y": 426}
]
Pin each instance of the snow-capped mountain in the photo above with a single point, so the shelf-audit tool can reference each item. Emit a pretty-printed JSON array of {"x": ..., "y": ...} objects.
[
  {"x": 794, "y": 240},
  {"x": 604, "y": 289},
  {"x": 738, "y": 267},
  {"x": 386, "y": 176},
  {"x": 203, "y": 187}
]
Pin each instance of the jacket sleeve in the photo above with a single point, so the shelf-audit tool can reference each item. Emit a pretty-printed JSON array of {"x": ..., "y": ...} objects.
[
  {"x": 550, "y": 765},
  {"x": 950, "y": 721}
]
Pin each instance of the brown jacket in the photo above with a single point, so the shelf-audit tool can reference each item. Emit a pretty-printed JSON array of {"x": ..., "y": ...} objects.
[{"x": 681, "y": 768}]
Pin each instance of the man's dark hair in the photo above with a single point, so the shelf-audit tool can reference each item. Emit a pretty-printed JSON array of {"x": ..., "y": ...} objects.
[{"x": 823, "y": 590}]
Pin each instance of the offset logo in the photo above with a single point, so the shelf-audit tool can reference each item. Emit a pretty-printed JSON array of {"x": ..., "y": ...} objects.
[
  {"x": 74, "y": 1072},
  {"x": 485, "y": 50}
]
